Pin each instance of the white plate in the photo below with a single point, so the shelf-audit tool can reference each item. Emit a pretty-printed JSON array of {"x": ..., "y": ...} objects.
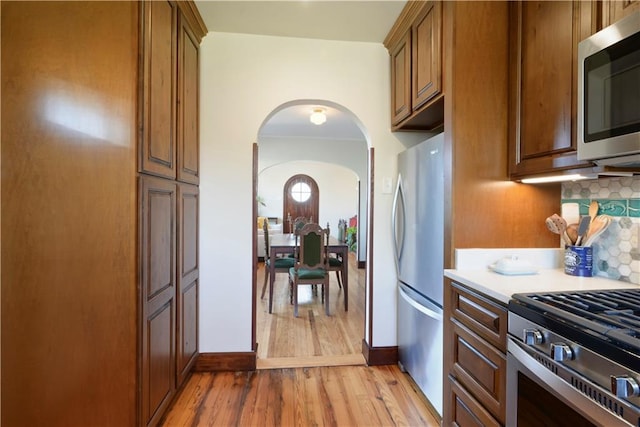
[{"x": 514, "y": 271}]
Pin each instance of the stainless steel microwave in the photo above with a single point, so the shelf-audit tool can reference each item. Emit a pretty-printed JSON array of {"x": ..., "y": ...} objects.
[{"x": 608, "y": 128}]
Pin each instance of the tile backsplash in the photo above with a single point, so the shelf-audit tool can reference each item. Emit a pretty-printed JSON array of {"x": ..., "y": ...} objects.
[{"x": 616, "y": 254}]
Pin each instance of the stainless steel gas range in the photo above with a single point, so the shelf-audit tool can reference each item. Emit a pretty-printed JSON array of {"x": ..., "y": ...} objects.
[{"x": 573, "y": 359}]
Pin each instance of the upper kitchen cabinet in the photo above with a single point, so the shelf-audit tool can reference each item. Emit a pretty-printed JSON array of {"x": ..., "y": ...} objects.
[
  {"x": 415, "y": 47},
  {"x": 544, "y": 39},
  {"x": 170, "y": 63},
  {"x": 615, "y": 10},
  {"x": 187, "y": 108},
  {"x": 158, "y": 142}
]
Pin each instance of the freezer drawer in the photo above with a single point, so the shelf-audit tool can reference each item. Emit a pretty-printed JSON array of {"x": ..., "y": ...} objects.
[{"x": 420, "y": 345}]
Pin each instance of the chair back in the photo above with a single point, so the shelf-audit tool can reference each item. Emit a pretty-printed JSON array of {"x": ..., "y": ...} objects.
[
  {"x": 265, "y": 229},
  {"x": 298, "y": 223},
  {"x": 313, "y": 249}
]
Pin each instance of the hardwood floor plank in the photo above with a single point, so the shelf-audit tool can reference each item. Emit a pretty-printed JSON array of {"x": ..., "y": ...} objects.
[
  {"x": 280, "y": 335},
  {"x": 327, "y": 396},
  {"x": 311, "y": 372}
]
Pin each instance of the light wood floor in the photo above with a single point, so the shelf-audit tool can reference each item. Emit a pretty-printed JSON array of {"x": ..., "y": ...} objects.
[
  {"x": 301, "y": 378},
  {"x": 324, "y": 396},
  {"x": 313, "y": 338}
]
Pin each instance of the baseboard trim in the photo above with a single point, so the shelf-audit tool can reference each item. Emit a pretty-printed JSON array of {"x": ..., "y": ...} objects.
[
  {"x": 376, "y": 356},
  {"x": 212, "y": 362},
  {"x": 362, "y": 264}
]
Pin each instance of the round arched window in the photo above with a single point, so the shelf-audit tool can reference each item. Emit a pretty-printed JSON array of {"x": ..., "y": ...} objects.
[{"x": 300, "y": 192}]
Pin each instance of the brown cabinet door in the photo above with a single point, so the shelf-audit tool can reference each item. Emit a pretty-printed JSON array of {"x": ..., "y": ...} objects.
[
  {"x": 544, "y": 40},
  {"x": 615, "y": 10},
  {"x": 465, "y": 410},
  {"x": 158, "y": 300},
  {"x": 158, "y": 142},
  {"x": 401, "y": 80},
  {"x": 480, "y": 368},
  {"x": 188, "y": 272},
  {"x": 427, "y": 54},
  {"x": 188, "y": 83}
]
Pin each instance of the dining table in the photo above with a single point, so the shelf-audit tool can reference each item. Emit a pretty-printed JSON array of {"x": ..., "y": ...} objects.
[{"x": 283, "y": 244}]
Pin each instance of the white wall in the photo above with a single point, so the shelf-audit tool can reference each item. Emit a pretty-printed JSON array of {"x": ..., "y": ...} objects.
[
  {"x": 337, "y": 186},
  {"x": 243, "y": 79}
]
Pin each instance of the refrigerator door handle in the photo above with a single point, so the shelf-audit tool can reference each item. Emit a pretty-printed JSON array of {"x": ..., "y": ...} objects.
[
  {"x": 398, "y": 197},
  {"x": 432, "y": 311}
]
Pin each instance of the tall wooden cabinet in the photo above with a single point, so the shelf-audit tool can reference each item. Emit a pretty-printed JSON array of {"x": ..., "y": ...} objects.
[
  {"x": 100, "y": 205},
  {"x": 169, "y": 202}
]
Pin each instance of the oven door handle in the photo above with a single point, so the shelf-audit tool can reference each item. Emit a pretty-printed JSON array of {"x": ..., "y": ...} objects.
[{"x": 555, "y": 385}]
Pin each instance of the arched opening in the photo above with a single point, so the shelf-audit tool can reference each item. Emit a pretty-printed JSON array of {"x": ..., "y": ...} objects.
[
  {"x": 300, "y": 197},
  {"x": 337, "y": 157}
]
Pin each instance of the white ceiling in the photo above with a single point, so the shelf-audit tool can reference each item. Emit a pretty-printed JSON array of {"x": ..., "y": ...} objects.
[
  {"x": 357, "y": 21},
  {"x": 366, "y": 21}
]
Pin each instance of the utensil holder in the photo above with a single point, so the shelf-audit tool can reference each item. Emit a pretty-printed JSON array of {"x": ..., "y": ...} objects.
[{"x": 578, "y": 261}]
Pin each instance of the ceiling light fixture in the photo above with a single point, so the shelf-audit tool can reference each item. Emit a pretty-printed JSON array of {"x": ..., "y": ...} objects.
[{"x": 318, "y": 116}]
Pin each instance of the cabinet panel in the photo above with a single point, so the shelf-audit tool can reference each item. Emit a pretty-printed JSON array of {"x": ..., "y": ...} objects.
[
  {"x": 187, "y": 331},
  {"x": 159, "y": 229},
  {"x": 159, "y": 89},
  {"x": 159, "y": 373},
  {"x": 546, "y": 57},
  {"x": 482, "y": 316},
  {"x": 615, "y": 10},
  {"x": 158, "y": 218},
  {"x": 188, "y": 292},
  {"x": 544, "y": 39},
  {"x": 401, "y": 80},
  {"x": 481, "y": 368},
  {"x": 427, "y": 54},
  {"x": 466, "y": 411},
  {"x": 188, "y": 70}
]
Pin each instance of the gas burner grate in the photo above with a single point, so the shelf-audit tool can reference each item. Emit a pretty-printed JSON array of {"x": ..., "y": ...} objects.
[{"x": 615, "y": 314}]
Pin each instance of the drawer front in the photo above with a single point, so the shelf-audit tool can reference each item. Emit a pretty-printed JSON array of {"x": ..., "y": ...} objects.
[
  {"x": 481, "y": 368},
  {"x": 482, "y": 316},
  {"x": 465, "y": 410}
]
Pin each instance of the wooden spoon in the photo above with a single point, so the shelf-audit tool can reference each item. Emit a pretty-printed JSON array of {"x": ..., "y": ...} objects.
[
  {"x": 596, "y": 228},
  {"x": 556, "y": 224},
  {"x": 572, "y": 232},
  {"x": 593, "y": 210}
]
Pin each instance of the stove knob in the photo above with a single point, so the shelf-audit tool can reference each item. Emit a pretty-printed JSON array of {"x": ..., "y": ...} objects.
[
  {"x": 561, "y": 352},
  {"x": 624, "y": 386},
  {"x": 532, "y": 336}
]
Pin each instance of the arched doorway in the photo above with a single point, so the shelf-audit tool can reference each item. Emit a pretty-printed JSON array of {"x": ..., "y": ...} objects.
[
  {"x": 283, "y": 146},
  {"x": 300, "y": 198}
]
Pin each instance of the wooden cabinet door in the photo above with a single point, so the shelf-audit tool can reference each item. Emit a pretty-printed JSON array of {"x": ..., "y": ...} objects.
[
  {"x": 158, "y": 142},
  {"x": 401, "y": 80},
  {"x": 158, "y": 295},
  {"x": 481, "y": 368},
  {"x": 188, "y": 111},
  {"x": 544, "y": 40},
  {"x": 426, "y": 45},
  {"x": 188, "y": 273},
  {"x": 465, "y": 410},
  {"x": 615, "y": 10}
]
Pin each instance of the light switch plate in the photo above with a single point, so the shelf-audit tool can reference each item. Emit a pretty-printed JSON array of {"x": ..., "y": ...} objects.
[{"x": 386, "y": 185}]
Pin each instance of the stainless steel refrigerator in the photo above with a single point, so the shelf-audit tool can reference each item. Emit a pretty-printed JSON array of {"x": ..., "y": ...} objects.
[{"x": 418, "y": 228}]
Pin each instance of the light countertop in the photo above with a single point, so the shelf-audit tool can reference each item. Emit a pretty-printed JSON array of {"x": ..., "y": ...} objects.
[{"x": 472, "y": 271}]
